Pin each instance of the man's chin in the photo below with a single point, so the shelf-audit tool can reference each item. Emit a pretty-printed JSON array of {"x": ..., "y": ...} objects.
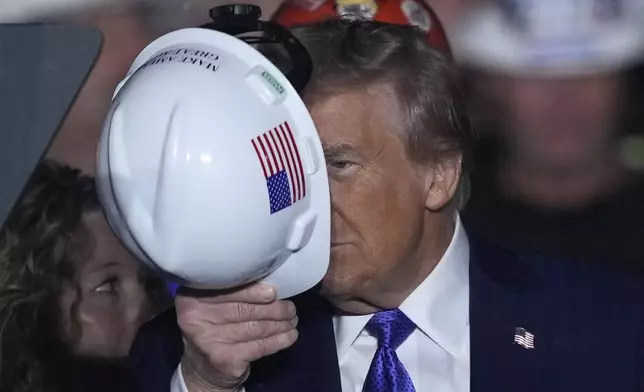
[
  {"x": 332, "y": 287},
  {"x": 342, "y": 297},
  {"x": 352, "y": 307}
]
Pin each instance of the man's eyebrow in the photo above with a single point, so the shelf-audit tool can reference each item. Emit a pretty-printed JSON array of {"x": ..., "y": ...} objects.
[{"x": 337, "y": 149}]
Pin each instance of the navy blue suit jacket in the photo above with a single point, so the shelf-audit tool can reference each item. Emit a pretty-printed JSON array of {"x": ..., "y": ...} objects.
[{"x": 588, "y": 327}]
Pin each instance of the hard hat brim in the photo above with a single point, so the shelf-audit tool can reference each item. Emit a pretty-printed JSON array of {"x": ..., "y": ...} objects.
[{"x": 305, "y": 268}]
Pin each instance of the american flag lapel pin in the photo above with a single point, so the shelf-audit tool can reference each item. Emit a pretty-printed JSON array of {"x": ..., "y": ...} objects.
[
  {"x": 524, "y": 338},
  {"x": 281, "y": 163}
]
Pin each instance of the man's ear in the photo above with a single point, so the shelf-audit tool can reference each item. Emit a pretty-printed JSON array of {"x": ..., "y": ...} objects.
[{"x": 442, "y": 180}]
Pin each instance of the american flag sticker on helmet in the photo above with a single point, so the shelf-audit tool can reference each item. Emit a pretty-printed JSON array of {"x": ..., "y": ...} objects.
[{"x": 281, "y": 164}]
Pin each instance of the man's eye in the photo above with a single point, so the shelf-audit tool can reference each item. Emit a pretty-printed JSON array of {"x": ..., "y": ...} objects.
[
  {"x": 109, "y": 286},
  {"x": 340, "y": 164}
]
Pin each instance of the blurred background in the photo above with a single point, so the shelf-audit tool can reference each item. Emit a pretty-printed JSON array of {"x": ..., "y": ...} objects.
[{"x": 128, "y": 26}]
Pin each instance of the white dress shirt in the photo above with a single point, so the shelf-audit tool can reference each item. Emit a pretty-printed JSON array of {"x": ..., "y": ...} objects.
[{"x": 437, "y": 354}]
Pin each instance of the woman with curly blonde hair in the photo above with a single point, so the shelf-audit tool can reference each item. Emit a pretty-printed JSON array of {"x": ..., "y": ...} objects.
[{"x": 71, "y": 297}]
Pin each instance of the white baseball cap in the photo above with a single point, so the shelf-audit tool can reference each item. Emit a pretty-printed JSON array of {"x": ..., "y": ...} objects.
[
  {"x": 210, "y": 168},
  {"x": 551, "y": 37}
]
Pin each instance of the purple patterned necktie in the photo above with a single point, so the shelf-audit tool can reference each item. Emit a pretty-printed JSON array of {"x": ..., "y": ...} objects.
[{"x": 387, "y": 373}]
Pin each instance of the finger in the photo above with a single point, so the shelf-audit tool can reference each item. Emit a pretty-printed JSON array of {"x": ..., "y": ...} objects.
[
  {"x": 252, "y": 351},
  {"x": 255, "y": 293},
  {"x": 241, "y": 312},
  {"x": 197, "y": 311},
  {"x": 195, "y": 316},
  {"x": 255, "y": 330}
]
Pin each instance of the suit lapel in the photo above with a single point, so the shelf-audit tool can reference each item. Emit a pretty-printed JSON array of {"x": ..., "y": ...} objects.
[
  {"x": 504, "y": 297},
  {"x": 311, "y": 364}
]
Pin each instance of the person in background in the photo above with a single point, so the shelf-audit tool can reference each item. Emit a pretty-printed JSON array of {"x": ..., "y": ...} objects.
[
  {"x": 551, "y": 80},
  {"x": 71, "y": 297},
  {"x": 403, "y": 12},
  {"x": 447, "y": 11}
]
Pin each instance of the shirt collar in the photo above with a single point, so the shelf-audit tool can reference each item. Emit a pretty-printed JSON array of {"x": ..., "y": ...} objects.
[{"x": 439, "y": 306}]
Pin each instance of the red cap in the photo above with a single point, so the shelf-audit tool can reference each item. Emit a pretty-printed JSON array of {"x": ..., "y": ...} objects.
[{"x": 405, "y": 12}]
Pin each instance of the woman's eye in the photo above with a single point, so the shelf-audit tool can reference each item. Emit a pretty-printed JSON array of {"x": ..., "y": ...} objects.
[{"x": 109, "y": 286}]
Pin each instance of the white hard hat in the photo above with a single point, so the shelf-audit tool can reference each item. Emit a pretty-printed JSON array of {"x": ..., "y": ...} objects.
[
  {"x": 210, "y": 168},
  {"x": 551, "y": 37}
]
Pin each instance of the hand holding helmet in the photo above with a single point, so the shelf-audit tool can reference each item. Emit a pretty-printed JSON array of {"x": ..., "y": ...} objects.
[{"x": 228, "y": 333}]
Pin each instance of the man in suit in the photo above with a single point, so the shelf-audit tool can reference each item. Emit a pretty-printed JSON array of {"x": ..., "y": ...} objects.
[{"x": 410, "y": 302}]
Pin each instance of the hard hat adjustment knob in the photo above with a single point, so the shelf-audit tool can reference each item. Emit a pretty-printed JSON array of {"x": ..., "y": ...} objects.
[{"x": 235, "y": 14}]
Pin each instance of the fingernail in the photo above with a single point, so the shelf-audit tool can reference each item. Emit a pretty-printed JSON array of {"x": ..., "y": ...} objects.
[
  {"x": 268, "y": 293},
  {"x": 291, "y": 308}
]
